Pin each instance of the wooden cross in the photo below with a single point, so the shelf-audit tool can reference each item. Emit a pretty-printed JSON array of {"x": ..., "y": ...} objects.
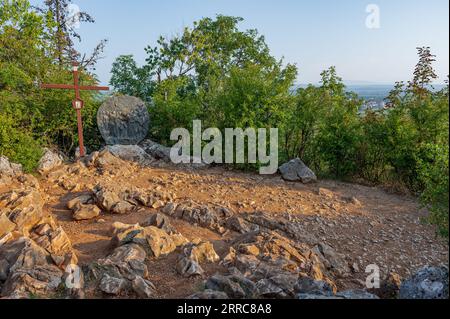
[{"x": 77, "y": 103}]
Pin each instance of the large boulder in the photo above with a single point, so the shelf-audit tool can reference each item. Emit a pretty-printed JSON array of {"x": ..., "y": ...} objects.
[
  {"x": 427, "y": 283},
  {"x": 296, "y": 170},
  {"x": 123, "y": 120}
]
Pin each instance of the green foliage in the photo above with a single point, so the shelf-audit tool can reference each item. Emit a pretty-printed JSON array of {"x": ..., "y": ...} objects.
[
  {"x": 17, "y": 145},
  {"x": 435, "y": 177},
  {"x": 31, "y": 116},
  {"x": 174, "y": 105}
]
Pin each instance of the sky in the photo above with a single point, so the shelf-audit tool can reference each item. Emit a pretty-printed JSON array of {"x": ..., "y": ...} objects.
[{"x": 313, "y": 34}]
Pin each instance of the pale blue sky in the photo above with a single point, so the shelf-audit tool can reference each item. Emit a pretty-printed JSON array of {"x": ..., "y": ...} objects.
[{"x": 313, "y": 34}]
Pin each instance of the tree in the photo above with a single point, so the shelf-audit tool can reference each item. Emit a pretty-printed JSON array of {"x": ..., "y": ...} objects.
[{"x": 61, "y": 29}]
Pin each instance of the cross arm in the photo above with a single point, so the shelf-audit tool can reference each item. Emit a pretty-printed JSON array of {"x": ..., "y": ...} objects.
[
  {"x": 58, "y": 86},
  {"x": 94, "y": 88}
]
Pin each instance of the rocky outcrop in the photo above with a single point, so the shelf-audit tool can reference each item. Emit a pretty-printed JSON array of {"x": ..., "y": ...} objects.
[
  {"x": 28, "y": 270},
  {"x": 427, "y": 283},
  {"x": 24, "y": 208},
  {"x": 110, "y": 199},
  {"x": 194, "y": 254},
  {"x": 125, "y": 270},
  {"x": 156, "y": 150},
  {"x": 122, "y": 200},
  {"x": 8, "y": 170},
  {"x": 155, "y": 241},
  {"x": 86, "y": 212},
  {"x": 34, "y": 251},
  {"x": 161, "y": 221},
  {"x": 123, "y": 120},
  {"x": 213, "y": 218},
  {"x": 131, "y": 153},
  {"x": 161, "y": 152},
  {"x": 49, "y": 161},
  {"x": 296, "y": 170}
]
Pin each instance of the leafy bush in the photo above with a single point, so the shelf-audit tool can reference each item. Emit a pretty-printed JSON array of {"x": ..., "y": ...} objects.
[
  {"x": 435, "y": 177},
  {"x": 18, "y": 146}
]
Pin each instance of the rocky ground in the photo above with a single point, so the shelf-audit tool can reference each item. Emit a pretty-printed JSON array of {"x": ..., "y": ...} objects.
[{"x": 148, "y": 229}]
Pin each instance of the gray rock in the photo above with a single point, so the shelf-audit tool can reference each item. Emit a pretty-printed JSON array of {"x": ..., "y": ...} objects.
[
  {"x": 123, "y": 120},
  {"x": 143, "y": 288},
  {"x": 28, "y": 269},
  {"x": 356, "y": 294},
  {"x": 427, "y": 283},
  {"x": 209, "y": 295},
  {"x": 162, "y": 152},
  {"x": 309, "y": 286},
  {"x": 279, "y": 286},
  {"x": 222, "y": 283},
  {"x": 188, "y": 267},
  {"x": 156, "y": 150},
  {"x": 130, "y": 153},
  {"x": 160, "y": 221},
  {"x": 9, "y": 169},
  {"x": 112, "y": 285},
  {"x": 296, "y": 170},
  {"x": 49, "y": 161},
  {"x": 86, "y": 212}
]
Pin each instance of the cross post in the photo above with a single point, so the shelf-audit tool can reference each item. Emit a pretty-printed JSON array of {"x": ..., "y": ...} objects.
[{"x": 77, "y": 103}]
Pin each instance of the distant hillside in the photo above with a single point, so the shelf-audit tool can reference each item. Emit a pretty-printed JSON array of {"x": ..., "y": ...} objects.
[{"x": 374, "y": 94}]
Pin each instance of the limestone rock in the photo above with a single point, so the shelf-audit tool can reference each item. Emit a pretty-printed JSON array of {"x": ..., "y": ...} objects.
[
  {"x": 307, "y": 285},
  {"x": 332, "y": 260},
  {"x": 6, "y": 226},
  {"x": 356, "y": 294},
  {"x": 29, "y": 270},
  {"x": 131, "y": 153},
  {"x": 112, "y": 285},
  {"x": 160, "y": 221},
  {"x": 143, "y": 288},
  {"x": 156, "y": 150},
  {"x": 9, "y": 169},
  {"x": 188, "y": 264},
  {"x": 25, "y": 209},
  {"x": 123, "y": 120},
  {"x": 226, "y": 285},
  {"x": 110, "y": 200},
  {"x": 86, "y": 212},
  {"x": 154, "y": 240},
  {"x": 49, "y": 161},
  {"x": 201, "y": 252},
  {"x": 80, "y": 200},
  {"x": 389, "y": 287},
  {"x": 209, "y": 295},
  {"x": 188, "y": 267},
  {"x": 296, "y": 170},
  {"x": 56, "y": 242},
  {"x": 280, "y": 286},
  {"x": 427, "y": 283}
]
